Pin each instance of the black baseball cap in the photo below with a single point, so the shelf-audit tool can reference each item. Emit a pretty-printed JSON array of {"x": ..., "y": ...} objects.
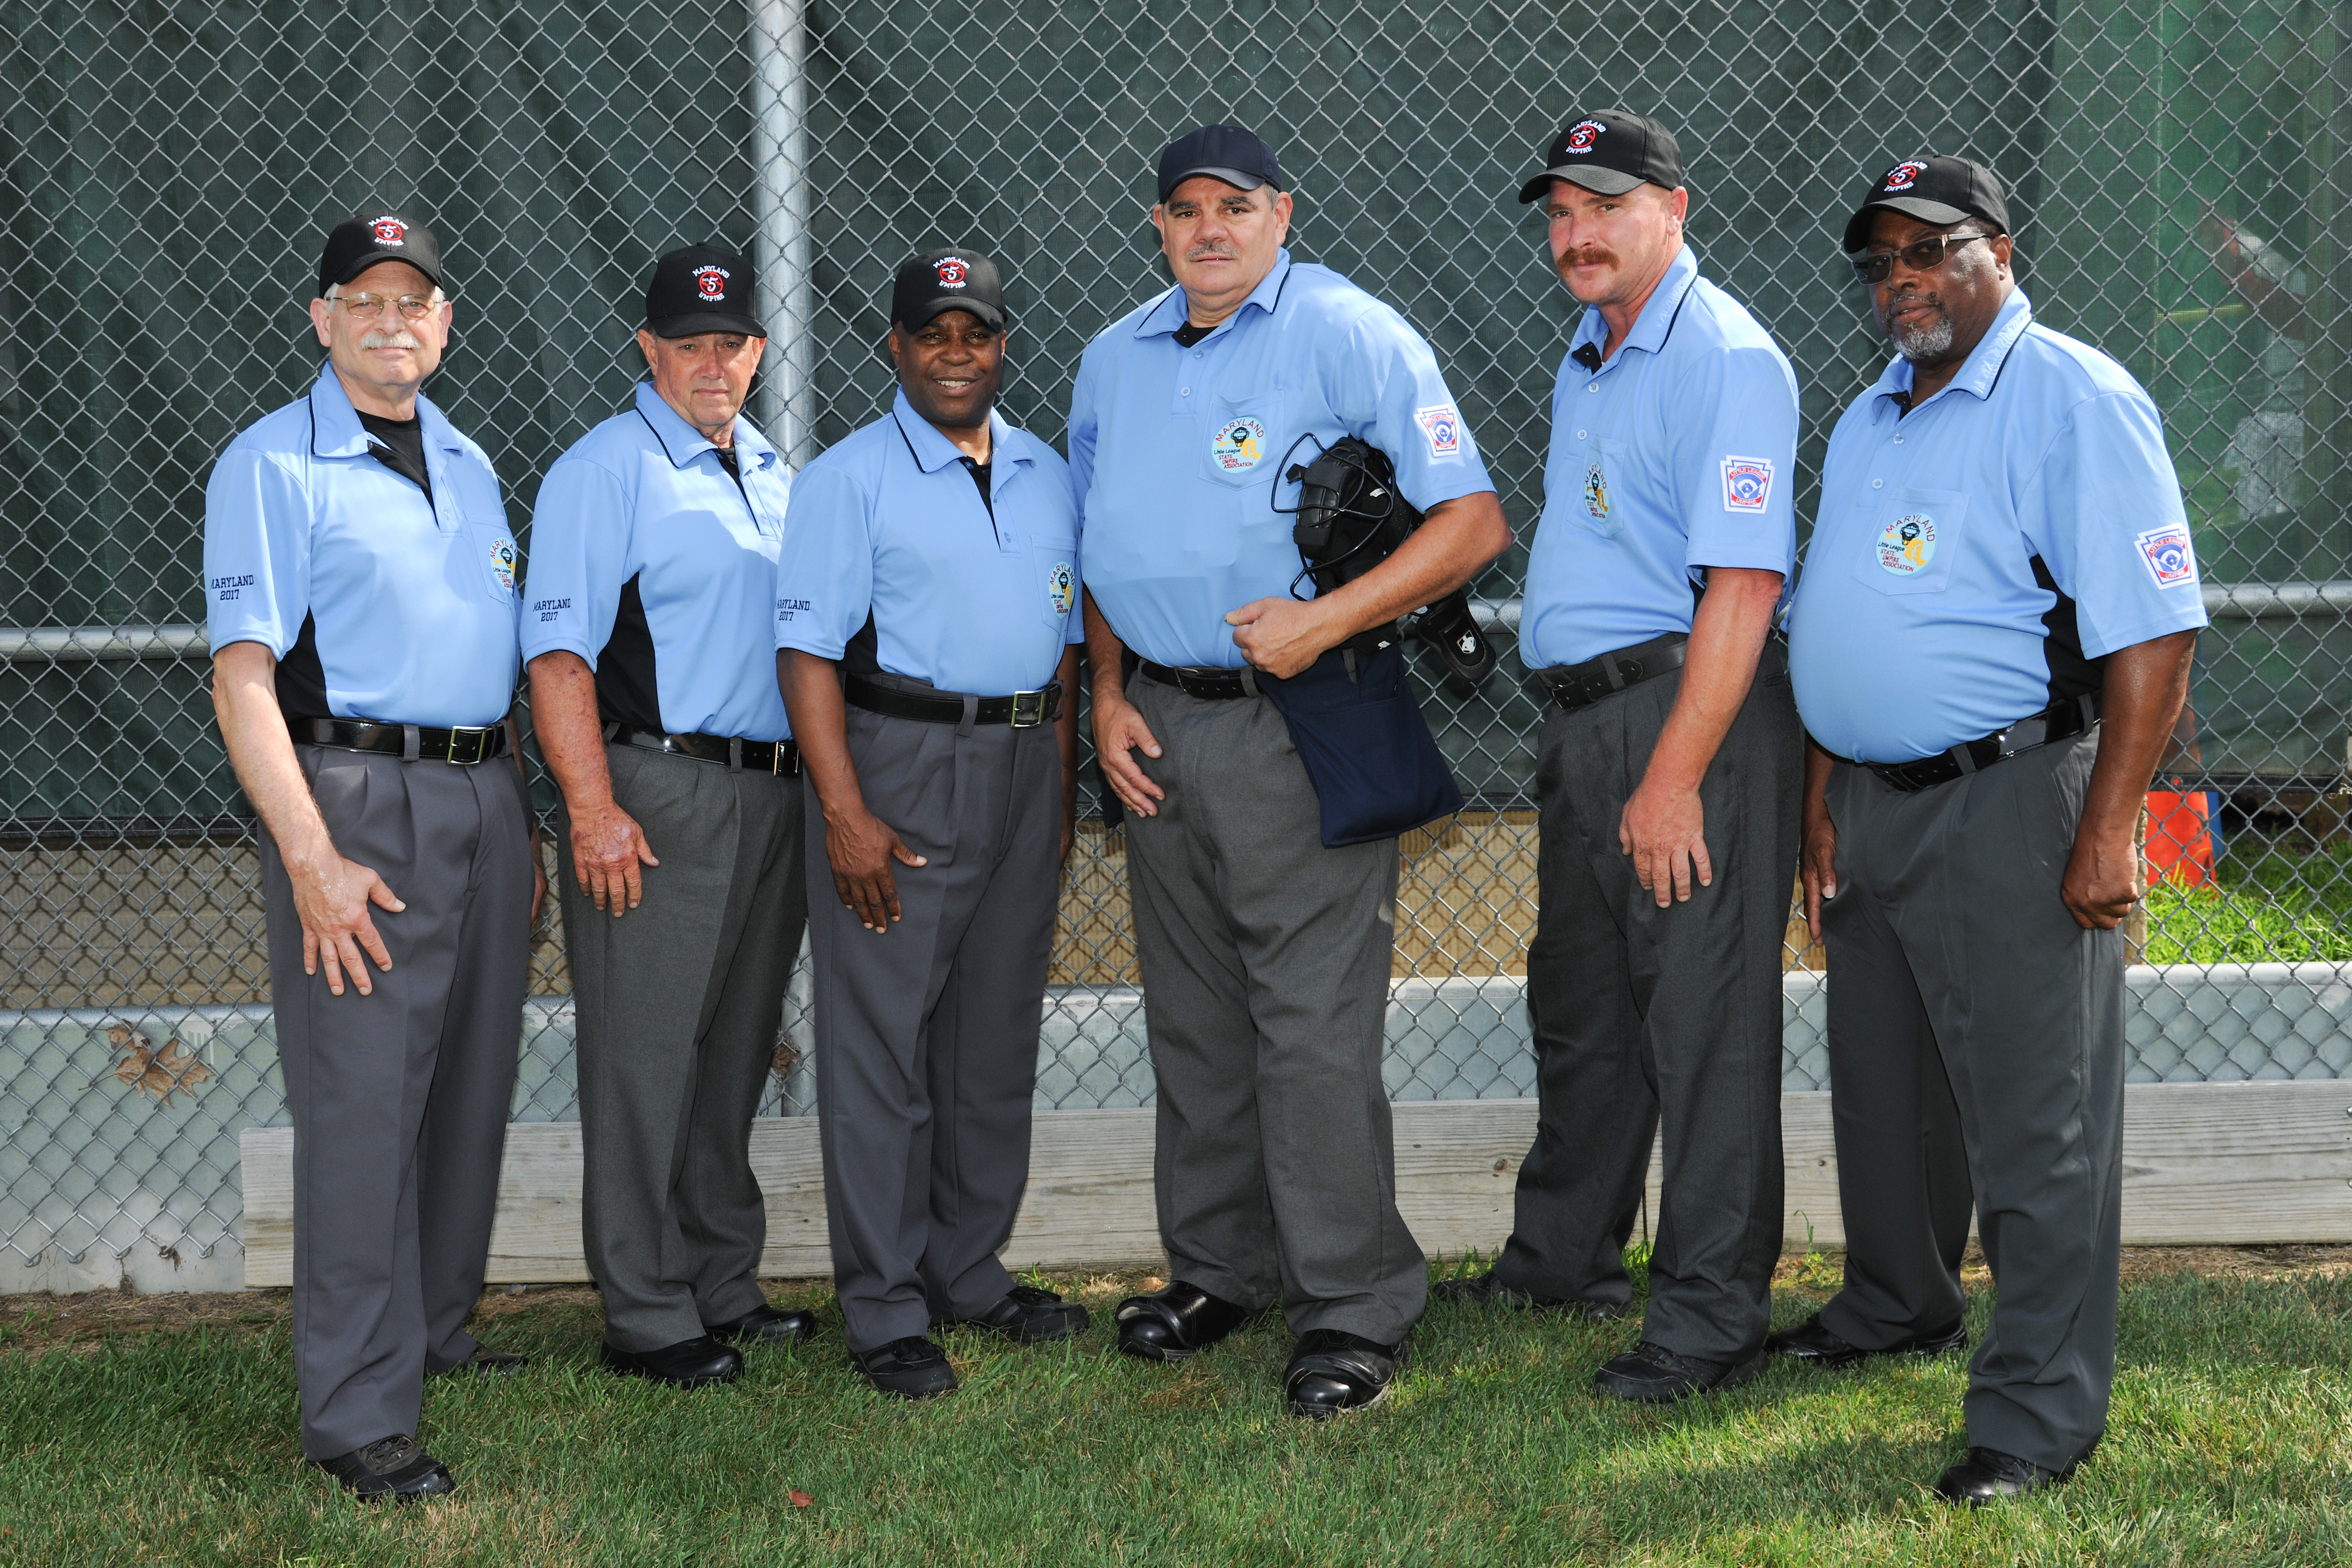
[
  {"x": 1935, "y": 189},
  {"x": 950, "y": 280},
  {"x": 1608, "y": 151},
  {"x": 1238, "y": 157},
  {"x": 701, "y": 288},
  {"x": 373, "y": 235}
]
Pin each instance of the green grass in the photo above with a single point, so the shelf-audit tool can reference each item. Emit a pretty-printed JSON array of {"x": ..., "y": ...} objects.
[
  {"x": 2231, "y": 1442},
  {"x": 2269, "y": 905}
]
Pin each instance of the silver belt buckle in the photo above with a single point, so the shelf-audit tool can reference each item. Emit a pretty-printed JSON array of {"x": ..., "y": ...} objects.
[
  {"x": 1028, "y": 709},
  {"x": 2024, "y": 736},
  {"x": 480, "y": 746}
]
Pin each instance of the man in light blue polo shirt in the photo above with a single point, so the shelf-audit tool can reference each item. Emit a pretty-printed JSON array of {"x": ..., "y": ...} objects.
[
  {"x": 930, "y": 583},
  {"x": 359, "y": 589},
  {"x": 654, "y": 695},
  {"x": 1668, "y": 777},
  {"x": 1991, "y": 646},
  {"x": 1265, "y": 955}
]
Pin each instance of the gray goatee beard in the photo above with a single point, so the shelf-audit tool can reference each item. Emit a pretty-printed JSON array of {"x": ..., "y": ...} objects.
[{"x": 1920, "y": 345}]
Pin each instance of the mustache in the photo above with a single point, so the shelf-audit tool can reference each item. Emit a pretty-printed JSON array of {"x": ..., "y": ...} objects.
[
  {"x": 1212, "y": 247},
  {"x": 390, "y": 338},
  {"x": 1584, "y": 256}
]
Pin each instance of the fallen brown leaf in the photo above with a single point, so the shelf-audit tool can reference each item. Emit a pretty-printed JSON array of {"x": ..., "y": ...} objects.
[
  {"x": 800, "y": 1498},
  {"x": 159, "y": 1074}
]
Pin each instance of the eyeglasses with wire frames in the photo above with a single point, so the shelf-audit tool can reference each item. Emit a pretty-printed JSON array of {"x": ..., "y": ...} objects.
[
  {"x": 1920, "y": 256},
  {"x": 368, "y": 307}
]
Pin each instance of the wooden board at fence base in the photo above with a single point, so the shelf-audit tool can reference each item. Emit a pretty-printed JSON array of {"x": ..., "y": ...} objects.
[{"x": 2202, "y": 1163}]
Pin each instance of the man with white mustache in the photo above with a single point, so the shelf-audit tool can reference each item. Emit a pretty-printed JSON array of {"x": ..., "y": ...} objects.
[
  {"x": 359, "y": 583},
  {"x": 1990, "y": 645},
  {"x": 1667, "y": 777}
]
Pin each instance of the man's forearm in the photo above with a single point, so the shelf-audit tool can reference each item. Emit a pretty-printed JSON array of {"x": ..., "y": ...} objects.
[
  {"x": 1458, "y": 539},
  {"x": 812, "y": 688},
  {"x": 1818, "y": 763},
  {"x": 571, "y": 735},
  {"x": 1065, "y": 728},
  {"x": 244, "y": 701},
  {"x": 1718, "y": 666},
  {"x": 1105, "y": 675},
  {"x": 2143, "y": 690}
]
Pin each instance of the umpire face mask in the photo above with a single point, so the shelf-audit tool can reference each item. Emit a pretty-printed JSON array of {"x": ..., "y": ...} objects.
[{"x": 949, "y": 368}]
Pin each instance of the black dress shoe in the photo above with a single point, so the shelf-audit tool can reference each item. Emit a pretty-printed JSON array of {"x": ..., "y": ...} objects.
[
  {"x": 911, "y": 1368},
  {"x": 1485, "y": 1291},
  {"x": 689, "y": 1363},
  {"x": 1988, "y": 1475},
  {"x": 392, "y": 1468},
  {"x": 490, "y": 1362},
  {"x": 765, "y": 1325},
  {"x": 1816, "y": 1344},
  {"x": 1174, "y": 1322},
  {"x": 1028, "y": 1316},
  {"x": 1652, "y": 1374},
  {"x": 1331, "y": 1372}
]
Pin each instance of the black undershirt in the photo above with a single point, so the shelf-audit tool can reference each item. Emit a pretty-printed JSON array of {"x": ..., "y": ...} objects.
[
  {"x": 1187, "y": 334},
  {"x": 399, "y": 445},
  {"x": 727, "y": 460}
]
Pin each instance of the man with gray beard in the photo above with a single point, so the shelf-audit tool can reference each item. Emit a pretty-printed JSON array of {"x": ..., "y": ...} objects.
[{"x": 1990, "y": 646}]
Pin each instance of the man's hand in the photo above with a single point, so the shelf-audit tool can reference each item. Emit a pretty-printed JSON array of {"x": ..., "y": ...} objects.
[
  {"x": 861, "y": 846},
  {"x": 538, "y": 883},
  {"x": 331, "y": 898},
  {"x": 607, "y": 846},
  {"x": 2102, "y": 880},
  {"x": 1119, "y": 730},
  {"x": 1282, "y": 637},
  {"x": 1664, "y": 829}
]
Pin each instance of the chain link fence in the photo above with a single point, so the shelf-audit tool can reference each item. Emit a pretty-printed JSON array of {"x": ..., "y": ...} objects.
[{"x": 2181, "y": 171}]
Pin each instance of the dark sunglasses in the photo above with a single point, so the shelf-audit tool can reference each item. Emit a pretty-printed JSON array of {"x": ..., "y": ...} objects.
[{"x": 1920, "y": 256}]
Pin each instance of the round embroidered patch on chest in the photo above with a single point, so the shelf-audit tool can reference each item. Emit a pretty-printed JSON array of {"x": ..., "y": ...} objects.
[
  {"x": 1907, "y": 544},
  {"x": 1239, "y": 444},
  {"x": 1061, "y": 587},
  {"x": 1596, "y": 493}
]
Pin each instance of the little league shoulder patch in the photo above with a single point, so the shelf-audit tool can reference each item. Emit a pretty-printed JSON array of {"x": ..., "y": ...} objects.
[
  {"x": 1442, "y": 429},
  {"x": 1746, "y": 484},
  {"x": 2169, "y": 558}
]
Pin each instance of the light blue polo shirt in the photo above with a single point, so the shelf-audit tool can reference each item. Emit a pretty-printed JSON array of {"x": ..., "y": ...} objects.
[
  {"x": 1679, "y": 453},
  {"x": 1920, "y": 623},
  {"x": 1177, "y": 453},
  {"x": 413, "y": 601},
  {"x": 890, "y": 522},
  {"x": 644, "y": 551}
]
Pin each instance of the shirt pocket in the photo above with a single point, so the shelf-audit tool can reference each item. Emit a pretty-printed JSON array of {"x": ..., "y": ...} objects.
[
  {"x": 1239, "y": 450},
  {"x": 1908, "y": 542},
  {"x": 1054, "y": 577}
]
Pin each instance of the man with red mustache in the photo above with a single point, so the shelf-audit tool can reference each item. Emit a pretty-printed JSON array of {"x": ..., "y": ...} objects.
[{"x": 1668, "y": 776}]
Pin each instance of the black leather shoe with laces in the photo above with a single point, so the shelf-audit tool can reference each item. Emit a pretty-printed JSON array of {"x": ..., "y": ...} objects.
[
  {"x": 1652, "y": 1374},
  {"x": 1028, "y": 1316},
  {"x": 1176, "y": 1321},
  {"x": 1815, "y": 1344},
  {"x": 1485, "y": 1291},
  {"x": 911, "y": 1368},
  {"x": 1988, "y": 1475},
  {"x": 1332, "y": 1371},
  {"x": 689, "y": 1363},
  {"x": 765, "y": 1325},
  {"x": 392, "y": 1469}
]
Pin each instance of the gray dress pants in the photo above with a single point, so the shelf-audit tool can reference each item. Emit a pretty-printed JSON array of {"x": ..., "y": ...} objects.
[
  {"x": 1266, "y": 962},
  {"x": 1976, "y": 1041},
  {"x": 926, "y": 1034},
  {"x": 679, "y": 1004},
  {"x": 1650, "y": 1021},
  {"x": 400, "y": 1098}
]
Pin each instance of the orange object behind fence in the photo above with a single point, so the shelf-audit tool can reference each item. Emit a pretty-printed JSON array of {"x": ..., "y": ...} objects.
[{"x": 2180, "y": 847}]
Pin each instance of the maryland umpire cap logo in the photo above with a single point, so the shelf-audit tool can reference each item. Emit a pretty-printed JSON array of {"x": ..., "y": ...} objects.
[
  {"x": 1582, "y": 136},
  {"x": 1596, "y": 493},
  {"x": 1907, "y": 544},
  {"x": 710, "y": 282},
  {"x": 1904, "y": 176},
  {"x": 951, "y": 272},
  {"x": 1238, "y": 445},
  {"x": 1061, "y": 587},
  {"x": 389, "y": 231}
]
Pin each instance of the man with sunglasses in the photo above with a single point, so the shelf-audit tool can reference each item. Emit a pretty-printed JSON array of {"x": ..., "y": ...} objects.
[
  {"x": 360, "y": 587},
  {"x": 1989, "y": 646},
  {"x": 654, "y": 694},
  {"x": 1668, "y": 774}
]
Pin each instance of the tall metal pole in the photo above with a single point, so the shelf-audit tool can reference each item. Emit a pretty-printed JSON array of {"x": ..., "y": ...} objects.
[{"x": 780, "y": 147}]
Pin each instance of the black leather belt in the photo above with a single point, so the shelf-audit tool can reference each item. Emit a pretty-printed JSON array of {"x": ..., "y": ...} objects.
[
  {"x": 1210, "y": 682},
  {"x": 780, "y": 757},
  {"x": 2055, "y": 722},
  {"x": 1022, "y": 711},
  {"x": 462, "y": 746},
  {"x": 1575, "y": 685}
]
